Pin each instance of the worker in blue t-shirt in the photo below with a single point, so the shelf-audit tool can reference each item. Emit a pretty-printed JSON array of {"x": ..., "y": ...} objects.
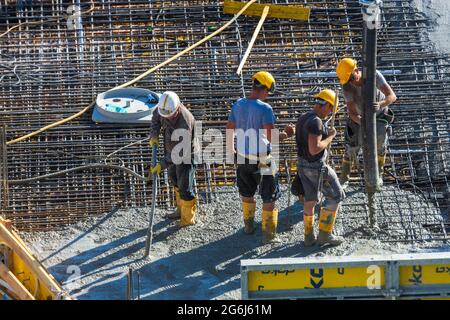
[{"x": 252, "y": 122}]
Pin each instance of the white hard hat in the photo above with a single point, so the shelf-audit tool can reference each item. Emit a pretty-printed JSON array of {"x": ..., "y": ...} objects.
[{"x": 168, "y": 104}]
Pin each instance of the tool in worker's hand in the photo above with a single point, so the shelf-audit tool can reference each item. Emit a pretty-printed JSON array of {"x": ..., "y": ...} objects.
[
  {"x": 130, "y": 285},
  {"x": 139, "y": 285},
  {"x": 332, "y": 121},
  {"x": 288, "y": 173},
  {"x": 148, "y": 242}
]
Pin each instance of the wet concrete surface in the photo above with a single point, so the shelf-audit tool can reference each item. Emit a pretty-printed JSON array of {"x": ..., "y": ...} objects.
[{"x": 91, "y": 259}]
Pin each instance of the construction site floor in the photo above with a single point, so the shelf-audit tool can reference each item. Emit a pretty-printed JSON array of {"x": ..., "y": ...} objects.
[{"x": 91, "y": 259}]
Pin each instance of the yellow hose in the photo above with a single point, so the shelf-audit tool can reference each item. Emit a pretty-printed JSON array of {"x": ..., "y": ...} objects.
[
  {"x": 55, "y": 124},
  {"x": 140, "y": 77}
]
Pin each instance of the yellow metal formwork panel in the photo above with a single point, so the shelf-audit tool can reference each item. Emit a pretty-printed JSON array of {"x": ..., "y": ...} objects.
[
  {"x": 276, "y": 11},
  {"x": 397, "y": 276},
  {"x": 424, "y": 274},
  {"x": 344, "y": 277}
]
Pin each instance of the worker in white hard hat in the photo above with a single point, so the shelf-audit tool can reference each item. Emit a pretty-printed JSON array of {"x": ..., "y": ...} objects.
[
  {"x": 171, "y": 115},
  {"x": 350, "y": 77}
]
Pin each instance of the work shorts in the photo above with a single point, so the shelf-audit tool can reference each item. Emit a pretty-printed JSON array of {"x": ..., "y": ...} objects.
[
  {"x": 296, "y": 186},
  {"x": 249, "y": 178},
  {"x": 313, "y": 184}
]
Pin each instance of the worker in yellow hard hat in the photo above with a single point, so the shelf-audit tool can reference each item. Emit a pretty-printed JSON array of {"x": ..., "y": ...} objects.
[
  {"x": 251, "y": 122},
  {"x": 312, "y": 139},
  {"x": 351, "y": 80}
]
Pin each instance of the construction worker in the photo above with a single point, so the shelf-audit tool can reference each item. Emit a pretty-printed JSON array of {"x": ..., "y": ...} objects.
[
  {"x": 351, "y": 80},
  {"x": 313, "y": 138},
  {"x": 252, "y": 117},
  {"x": 170, "y": 115}
]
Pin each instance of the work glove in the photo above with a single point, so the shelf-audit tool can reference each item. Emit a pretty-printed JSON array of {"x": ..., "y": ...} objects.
[
  {"x": 154, "y": 142},
  {"x": 289, "y": 130},
  {"x": 156, "y": 169}
]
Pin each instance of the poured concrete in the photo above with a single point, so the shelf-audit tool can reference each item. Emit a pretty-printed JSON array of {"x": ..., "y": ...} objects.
[
  {"x": 202, "y": 262},
  {"x": 91, "y": 259}
]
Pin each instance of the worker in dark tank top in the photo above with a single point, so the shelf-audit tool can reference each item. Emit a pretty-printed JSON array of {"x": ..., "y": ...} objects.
[{"x": 350, "y": 78}]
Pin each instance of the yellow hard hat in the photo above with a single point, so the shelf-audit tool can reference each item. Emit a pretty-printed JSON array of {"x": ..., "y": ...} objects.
[
  {"x": 344, "y": 69},
  {"x": 328, "y": 96},
  {"x": 266, "y": 79}
]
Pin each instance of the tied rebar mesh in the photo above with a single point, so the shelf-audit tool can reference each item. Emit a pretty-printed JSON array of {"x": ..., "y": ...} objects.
[{"x": 53, "y": 64}]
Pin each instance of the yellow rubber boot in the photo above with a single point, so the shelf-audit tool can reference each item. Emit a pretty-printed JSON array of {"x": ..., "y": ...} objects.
[
  {"x": 188, "y": 212},
  {"x": 249, "y": 209},
  {"x": 176, "y": 214},
  {"x": 269, "y": 225},
  {"x": 345, "y": 171},
  {"x": 310, "y": 237},
  {"x": 327, "y": 218}
]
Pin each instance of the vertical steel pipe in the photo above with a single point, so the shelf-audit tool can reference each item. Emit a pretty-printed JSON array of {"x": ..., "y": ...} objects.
[{"x": 370, "y": 10}]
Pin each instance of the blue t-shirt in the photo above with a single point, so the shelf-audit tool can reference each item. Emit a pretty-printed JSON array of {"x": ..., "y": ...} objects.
[{"x": 249, "y": 117}]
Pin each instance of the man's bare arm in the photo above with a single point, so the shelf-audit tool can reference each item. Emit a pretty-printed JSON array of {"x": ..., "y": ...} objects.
[
  {"x": 315, "y": 143},
  {"x": 390, "y": 96},
  {"x": 229, "y": 134}
]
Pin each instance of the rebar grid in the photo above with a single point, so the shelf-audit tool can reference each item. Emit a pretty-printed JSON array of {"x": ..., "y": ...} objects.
[{"x": 50, "y": 72}]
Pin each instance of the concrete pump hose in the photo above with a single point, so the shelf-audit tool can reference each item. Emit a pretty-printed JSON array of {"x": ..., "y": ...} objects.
[{"x": 140, "y": 77}]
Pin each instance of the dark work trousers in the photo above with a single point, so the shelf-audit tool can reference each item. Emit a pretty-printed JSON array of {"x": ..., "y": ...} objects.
[{"x": 182, "y": 176}]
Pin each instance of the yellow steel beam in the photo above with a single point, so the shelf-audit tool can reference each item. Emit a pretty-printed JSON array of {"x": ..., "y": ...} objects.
[{"x": 276, "y": 10}]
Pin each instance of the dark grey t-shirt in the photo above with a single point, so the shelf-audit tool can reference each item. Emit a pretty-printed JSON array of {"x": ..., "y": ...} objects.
[
  {"x": 309, "y": 123},
  {"x": 354, "y": 94}
]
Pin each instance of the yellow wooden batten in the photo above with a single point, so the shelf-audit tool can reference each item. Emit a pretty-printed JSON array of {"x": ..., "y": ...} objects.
[
  {"x": 276, "y": 10},
  {"x": 25, "y": 277}
]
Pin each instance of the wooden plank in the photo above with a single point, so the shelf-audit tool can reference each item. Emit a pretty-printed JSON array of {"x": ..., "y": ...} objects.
[
  {"x": 252, "y": 41},
  {"x": 16, "y": 289},
  {"x": 34, "y": 266},
  {"x": 3, "y": 170},
  {"x": 276, "y": 10}
]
